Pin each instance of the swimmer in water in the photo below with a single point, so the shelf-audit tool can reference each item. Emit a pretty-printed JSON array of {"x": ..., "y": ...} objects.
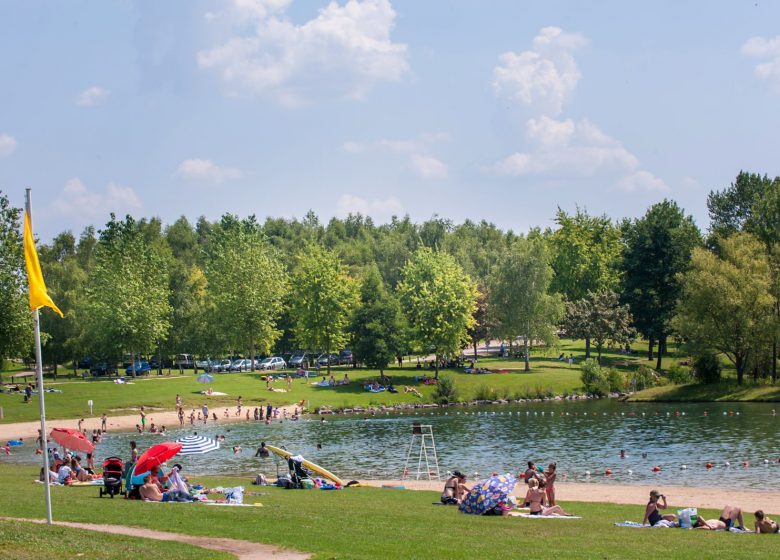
[{"x": 622, "y": 453}]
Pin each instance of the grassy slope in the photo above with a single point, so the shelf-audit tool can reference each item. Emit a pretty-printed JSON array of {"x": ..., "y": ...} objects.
[
  {"x": 367, "y": 523},
  {"x": 25, "y": 541},
  {"x": 725, "y": 391}
]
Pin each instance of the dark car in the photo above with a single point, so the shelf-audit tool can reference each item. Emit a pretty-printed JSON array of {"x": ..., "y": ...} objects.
[
  {"x": 103, "y": 368},
  {"x": 345, "y": 357},
  {"x": 140, "y": 368},
  {"x": 85, "y": 362}
]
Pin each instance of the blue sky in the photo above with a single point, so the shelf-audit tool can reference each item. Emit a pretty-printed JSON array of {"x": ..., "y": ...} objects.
[{"x": 495, "y": 110}]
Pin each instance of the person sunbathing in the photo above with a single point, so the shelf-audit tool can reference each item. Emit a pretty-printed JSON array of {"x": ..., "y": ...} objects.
[
  {"x": 150, "y": 492},
  {"x": 536, "y": 500},
  {"x": 652, "y": 513},
  {"x": 764, "y": 524},
  {"x": 728, "y": 517},
  {"x": 454, "y": 489}
]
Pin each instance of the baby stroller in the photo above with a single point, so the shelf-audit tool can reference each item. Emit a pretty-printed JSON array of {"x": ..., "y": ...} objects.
[
  {"x": 112, "y": 476},
  {"x": 297, "y": 471}
]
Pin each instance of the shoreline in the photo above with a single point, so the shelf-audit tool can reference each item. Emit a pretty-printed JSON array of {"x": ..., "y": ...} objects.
[
  {"x": 124, "y": 423},
  {"x": 681, "y": 496}
]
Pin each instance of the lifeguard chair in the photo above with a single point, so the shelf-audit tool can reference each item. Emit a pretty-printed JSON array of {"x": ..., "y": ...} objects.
[{"x": 422, "y": 433}]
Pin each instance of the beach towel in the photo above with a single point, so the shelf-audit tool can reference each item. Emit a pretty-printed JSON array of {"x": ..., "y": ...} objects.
[
  {"x": 663, "y": 524},
  {"x": 529, "y": 516}
]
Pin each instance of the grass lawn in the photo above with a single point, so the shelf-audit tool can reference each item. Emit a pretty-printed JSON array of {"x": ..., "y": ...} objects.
[
  {"x": 368, "y": 523},
  {"x": 725, "y": 391},
  {"x": 27, "y": 541}
]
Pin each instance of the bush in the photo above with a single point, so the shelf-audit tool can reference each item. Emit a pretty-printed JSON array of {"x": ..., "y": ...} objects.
[
  {"x": 644, "y": 378},
  {"x": 484, "y": 393},
  {"x": 706, "y": 368},
  {"x": 445, "y": 391},
  {"x": 679, "y": 375},
  {"x": 593, "y": 378},
  {"x": 616, "y": 381}
]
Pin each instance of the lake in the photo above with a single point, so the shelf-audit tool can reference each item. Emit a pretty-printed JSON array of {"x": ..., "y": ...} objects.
[{"x": 581, "y": 436}]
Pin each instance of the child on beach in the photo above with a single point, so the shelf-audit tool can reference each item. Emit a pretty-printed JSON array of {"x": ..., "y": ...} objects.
[
  {"x": 549, "y": 488},
  {"x": 143, "y": 418},
  {"x": 535, "y": 498}
]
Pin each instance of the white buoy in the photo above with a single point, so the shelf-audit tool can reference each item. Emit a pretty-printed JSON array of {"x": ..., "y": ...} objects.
[
  {"x": 630, "y": 472},
  {"x": 727, "y": 464},
  {"x": 683, "y": 467},
  {"x": 587, "y": 473},
  {"x": 766, "y": 461}
]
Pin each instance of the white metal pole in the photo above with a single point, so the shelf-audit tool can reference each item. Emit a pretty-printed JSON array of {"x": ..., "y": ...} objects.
[{"x": 41, "y": 404}]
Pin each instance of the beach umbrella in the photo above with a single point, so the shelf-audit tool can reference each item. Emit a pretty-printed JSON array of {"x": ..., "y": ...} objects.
[
  {"x": 488, "y": 493},
  {"x": 72, "y": 439},
  {"x": 205, "y": 378},
  {"x": 194, "y": 445},
  {"x": 156, "y": 455}
]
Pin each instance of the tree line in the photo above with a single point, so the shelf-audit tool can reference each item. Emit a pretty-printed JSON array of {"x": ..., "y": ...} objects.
[{"x": 238, "y": 286}]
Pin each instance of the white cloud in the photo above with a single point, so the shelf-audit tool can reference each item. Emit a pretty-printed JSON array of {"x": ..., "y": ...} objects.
[
  {"x": 428, "y": 167},
  {"x": 568, "y": 149},
  {"x": 92, "y": 96},
  {"x": 206, "y": 171},
  {"x": 341, "y": 53},
  {"x": 76, "y": 198},
  {"x": 415, "y": 150},
  {"x": 543, "y": 77},
  {"x": 7, "y": 145},
  {"x": 377, "y": 209},
  {"x": 642, "y": 181},
  {"x": 762, "y": 48}
]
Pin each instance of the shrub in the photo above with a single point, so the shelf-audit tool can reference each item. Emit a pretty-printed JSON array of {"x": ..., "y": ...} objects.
[
  {"x": 644, "y": 378},
  {"x": 593, "y": 378},
  {"x": 706, "y": 368},
  {"x": 484, "y": 393},
  {"x": 616, "y": 381},
  {"x": 679, "y": 375},
  {"x": 445, "y": 391}
]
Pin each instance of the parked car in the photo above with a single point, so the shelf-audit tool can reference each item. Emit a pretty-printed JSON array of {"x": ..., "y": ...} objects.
[
  {"x": 85, "y": 362},
  {"x": 140, "y": 368},
  {"x": 272, "y": 363},
  {"x": 203, "y": 364},
  {"x": 184, "y": 361},
  {"x": 345, "y": 357},
  {"x": 299, "y": 359},
  {"x": 325, "y": 359},
  {"x": 241, "y": 364},
  {"x": 103, "y": 368},
  {"x": 286, "y": 357},
  {"x": 222, "y": 365}
]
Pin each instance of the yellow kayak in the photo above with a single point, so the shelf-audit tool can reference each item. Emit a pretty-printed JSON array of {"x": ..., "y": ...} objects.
[{"x": 324, "y": 473}]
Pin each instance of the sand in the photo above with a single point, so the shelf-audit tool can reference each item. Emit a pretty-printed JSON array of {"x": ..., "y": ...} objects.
[{"x": 678, "y": 496}]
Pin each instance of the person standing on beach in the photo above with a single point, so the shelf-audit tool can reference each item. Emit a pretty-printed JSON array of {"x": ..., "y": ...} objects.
[
  {"x": 238, "y": 406},
  {"x": 205, "y": 410},
  {"x": 103, "y": 422},
  {"x": 143, "y": 418},
  {"x": 268, "y": 411},
  {"x": 192, "y": 417},
  {"x": 181, "y": 416},
  {"x": 549, "y": 487},
  {"x": 178, "y": 401}
]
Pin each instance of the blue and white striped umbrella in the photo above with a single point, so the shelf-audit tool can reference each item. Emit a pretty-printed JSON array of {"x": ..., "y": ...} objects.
[
  {"x": 194, "y": 445},
  {"x": 205, "y": 378}
]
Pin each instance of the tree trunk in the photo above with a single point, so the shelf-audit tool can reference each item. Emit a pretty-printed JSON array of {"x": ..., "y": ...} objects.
[
  {"x": 475, "y": 349},
  {"x": 436, "y": 364},
  {"x": 739, "y": 363},
  {"x": 327, "y": 353},
  {"x": 661, "y": 350},
  {"x": 587, "y": 347},
  {"x": 598, "y": 353},
  {"x": 650, "y": 346},
  {"x": 527, "y": 355},
  {"x": 774, "y": 360},
  {"x": 132, "y": 362},
  {"x": 252, "y": 349}
]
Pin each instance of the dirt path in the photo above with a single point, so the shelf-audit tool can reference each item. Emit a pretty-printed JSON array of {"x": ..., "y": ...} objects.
[
  {"x": 710, "y": 498},
  {"x": 244, "y": 550}
]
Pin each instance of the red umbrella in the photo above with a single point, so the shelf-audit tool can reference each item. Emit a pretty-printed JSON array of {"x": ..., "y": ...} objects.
[
  {"x": 156, "y": 455},
  {"x": 72, "y": 439}
]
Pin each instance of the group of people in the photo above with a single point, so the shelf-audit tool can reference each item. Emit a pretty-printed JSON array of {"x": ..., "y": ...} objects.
[
  {"x": 730, "y": 517},
  {"x": 158, "y": 487},
  {"x": 67, "y": 468},
  {"x": 539, "y": 496}
]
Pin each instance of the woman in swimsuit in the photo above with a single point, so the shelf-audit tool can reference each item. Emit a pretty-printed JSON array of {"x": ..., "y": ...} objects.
[
  {"x": 454, "y": 489},
  {"x": 764, "y": 524},
  {"x": 549, "y": 488},
  {"x": 535, "y": 498},
  {"x": 652, "y": 513}
]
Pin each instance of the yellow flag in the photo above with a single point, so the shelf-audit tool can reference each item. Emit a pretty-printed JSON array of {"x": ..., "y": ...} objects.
[{"x": 39, "y": 297}]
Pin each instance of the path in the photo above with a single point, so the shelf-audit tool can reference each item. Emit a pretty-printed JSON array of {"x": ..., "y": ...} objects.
[
  {"x": 244, "y": 550},
  {"x": 709, "y": 498}
]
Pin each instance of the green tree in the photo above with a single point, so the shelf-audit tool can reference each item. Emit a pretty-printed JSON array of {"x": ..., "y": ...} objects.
[
  {"x": 16, "y": 326},
  {"x": 127, "y": 295},
  {"x": 439, "y": 301},
  {"x": 246, "y": 284},
  {"x": 520, "y": 302},
  {"x": 322, "y": 300},
  {"x": 482, "y": 327},
  {"x": 601, "y": 318},
  {"x": 726, "y": 302},
  {"x": 377, "y": 326},
  {"x": 734, "y": 208},
  {"x": 657, "y": 248}
]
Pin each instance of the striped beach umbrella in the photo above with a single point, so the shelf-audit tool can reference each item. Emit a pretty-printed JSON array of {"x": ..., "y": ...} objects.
[
  {"x": 194, "y": 445},
  {"x": 205, "y": 378}
]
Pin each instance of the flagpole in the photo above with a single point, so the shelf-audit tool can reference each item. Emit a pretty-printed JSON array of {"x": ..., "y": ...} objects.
[{"x": 39, "y": 378}]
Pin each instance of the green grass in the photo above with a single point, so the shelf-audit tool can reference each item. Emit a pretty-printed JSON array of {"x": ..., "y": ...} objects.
[
  {"x": 374, "y": 523},
  {"x": 22, "y": 540},
  {"x": 726, "y": 391}
]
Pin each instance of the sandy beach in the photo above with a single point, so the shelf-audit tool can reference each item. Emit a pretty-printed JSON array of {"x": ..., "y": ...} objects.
[{"x": 678, "y": 496}]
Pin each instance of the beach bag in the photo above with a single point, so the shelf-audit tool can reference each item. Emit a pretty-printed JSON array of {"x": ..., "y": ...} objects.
[{"x": 688, "y": 517}]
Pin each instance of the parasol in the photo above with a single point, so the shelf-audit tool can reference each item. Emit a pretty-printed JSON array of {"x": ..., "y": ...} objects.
[
  {"x": 488, "y": 493},
  {"x": 156, "y": 455},
  {"x": 72, "y": 439},
  {"x": 194, "y": 445}
]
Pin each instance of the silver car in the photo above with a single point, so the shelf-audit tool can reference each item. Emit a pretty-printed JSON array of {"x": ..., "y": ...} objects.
[{"x": 274, "y": 362}]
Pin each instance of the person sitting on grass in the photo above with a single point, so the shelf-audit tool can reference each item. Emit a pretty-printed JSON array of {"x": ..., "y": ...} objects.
[
  {"x": 536, "y": 500},
  {"x": 151, "y": 492},
  {"x": 728, "y": 517},
  {"x": 652, "y": 513},
  {"x": 764, "y": 524},
  {"x": 454, "y": 489}
]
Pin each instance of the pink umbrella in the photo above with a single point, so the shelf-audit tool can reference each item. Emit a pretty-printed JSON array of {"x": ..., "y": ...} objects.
[{"x": 72, "y": 439}]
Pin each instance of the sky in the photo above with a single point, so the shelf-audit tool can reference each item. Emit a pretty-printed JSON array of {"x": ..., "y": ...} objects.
[{"x": 467, "y": 109}]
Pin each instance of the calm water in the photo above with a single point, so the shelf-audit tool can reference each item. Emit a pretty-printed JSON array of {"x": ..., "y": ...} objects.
[{"x": 579, "y": 436}]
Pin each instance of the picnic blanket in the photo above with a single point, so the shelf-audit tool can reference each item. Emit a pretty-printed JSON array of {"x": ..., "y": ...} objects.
[{"x": 529, "y": 516}]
